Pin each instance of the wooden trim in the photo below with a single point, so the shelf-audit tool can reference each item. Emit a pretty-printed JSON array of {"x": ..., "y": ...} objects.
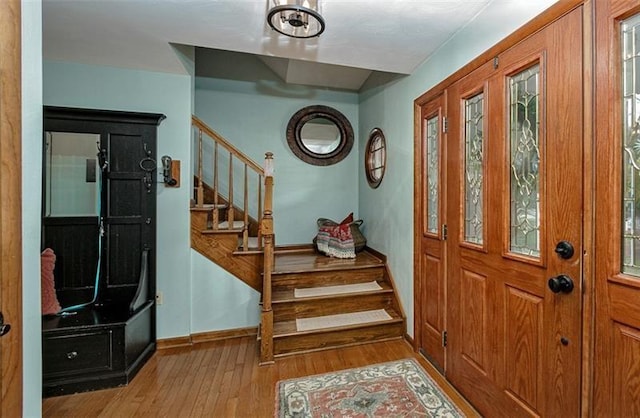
[
  {"x": 410, "y": 340},
  {"x": 553, "y": 13},
  {"x": 588, "y": 216},
  {"x": 99, "y": 115},
  {"x": 203, "y": 337},
  {"x": 417, "y": 222},
  {"x": 226, "y": 145},
  {"x": 11, "y": 210},
  {"x": 174, "y": 342},
  {"x": 376, "y": 253}
]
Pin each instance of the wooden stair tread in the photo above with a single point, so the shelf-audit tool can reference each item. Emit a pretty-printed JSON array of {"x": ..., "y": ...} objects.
[
  {"x": 211, "y": 231},
  {"x": 235, "y": 225},
  {"x": 287, "y": 295},
  {"x": 208, "y": 207},
  {"x": 282, "y": 329},
  {"x": 287, "y": 263}
]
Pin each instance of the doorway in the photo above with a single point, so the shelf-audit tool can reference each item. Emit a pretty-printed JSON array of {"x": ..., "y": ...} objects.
[{"x": 510, "y": 230}]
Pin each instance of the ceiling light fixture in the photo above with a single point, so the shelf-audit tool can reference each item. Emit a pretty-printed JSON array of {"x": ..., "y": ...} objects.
[{"x": 296, "y": 18}]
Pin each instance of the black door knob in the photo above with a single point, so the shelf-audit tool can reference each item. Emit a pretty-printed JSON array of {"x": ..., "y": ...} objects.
[
  {"x": 4, "y": 328},
  {"x": 564, "y": 249},
  {"x": 561, "y": 283}
]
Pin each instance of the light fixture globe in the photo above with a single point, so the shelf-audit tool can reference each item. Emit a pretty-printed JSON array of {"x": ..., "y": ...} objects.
[{"x": 296, "y": 20}]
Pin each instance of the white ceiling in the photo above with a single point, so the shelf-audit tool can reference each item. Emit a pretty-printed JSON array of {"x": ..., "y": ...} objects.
[{"x": 391, "y": 36}]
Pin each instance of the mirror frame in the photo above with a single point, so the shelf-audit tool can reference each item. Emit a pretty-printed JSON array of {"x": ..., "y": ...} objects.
[{"x": 304, "y": 115}]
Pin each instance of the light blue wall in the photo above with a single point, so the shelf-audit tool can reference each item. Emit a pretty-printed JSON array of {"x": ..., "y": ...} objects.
[
  {"x": 254, "y": 117},
  {"x": 77, "y": 85},
  {"x": 31, "y": 198},
  {"x": 389, "y": 209},
  {"x": 220, "y": 301}
]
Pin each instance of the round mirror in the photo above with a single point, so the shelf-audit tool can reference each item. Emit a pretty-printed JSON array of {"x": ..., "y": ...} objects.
[{"x": 319, "y": 135}]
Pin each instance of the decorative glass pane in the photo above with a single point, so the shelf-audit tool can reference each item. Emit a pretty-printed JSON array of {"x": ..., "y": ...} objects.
[
  {"x": 524, "y": 135},
  {"x": 473, "y": 172},
  {"x": 376, "y": 161},
  {"x": 433, "y": 174},
  {"x": 375, "y": 157},
  {"x": 631, "y": 147}
]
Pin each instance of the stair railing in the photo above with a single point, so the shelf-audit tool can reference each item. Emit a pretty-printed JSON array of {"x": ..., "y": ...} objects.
[
  {"x": 209, "y": 146},
  {"x": 267, "y": 233}
]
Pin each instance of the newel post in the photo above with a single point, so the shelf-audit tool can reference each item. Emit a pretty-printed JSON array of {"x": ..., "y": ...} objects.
[{"x": 266, "y": 227}]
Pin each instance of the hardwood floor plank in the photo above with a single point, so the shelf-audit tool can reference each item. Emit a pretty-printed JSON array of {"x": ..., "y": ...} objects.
[{"x": 223, "y": 379}]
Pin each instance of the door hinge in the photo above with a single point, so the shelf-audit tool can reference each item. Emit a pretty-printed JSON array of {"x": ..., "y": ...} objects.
[
  {"x": 444, "y": 338},
  {"x": 496, "y": 62},
  {"x": 445, "y": 125},
  {"x": 444, "y": 231}
]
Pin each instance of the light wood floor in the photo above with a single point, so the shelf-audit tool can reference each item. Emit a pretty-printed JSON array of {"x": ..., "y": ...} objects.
[{"x": 222, "y": 379}]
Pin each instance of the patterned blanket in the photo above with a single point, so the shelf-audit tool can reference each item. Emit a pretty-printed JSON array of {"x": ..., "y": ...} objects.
[{"x": 336, "y": 241}]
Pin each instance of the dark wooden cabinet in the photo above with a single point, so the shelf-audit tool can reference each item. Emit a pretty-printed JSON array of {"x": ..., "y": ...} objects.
[{"x": 99, "y": 217}]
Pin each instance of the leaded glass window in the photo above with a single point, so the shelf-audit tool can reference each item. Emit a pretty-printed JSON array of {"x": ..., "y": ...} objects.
[
  {"x": 524, "y": 141},
  {"x": 473, "y": 169},
  {"x": 433, "y": 173},
  {"x": 631, "y": 145}
]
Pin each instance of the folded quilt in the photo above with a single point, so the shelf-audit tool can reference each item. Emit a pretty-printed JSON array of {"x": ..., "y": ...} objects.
[{"x": 336, "y": 241}]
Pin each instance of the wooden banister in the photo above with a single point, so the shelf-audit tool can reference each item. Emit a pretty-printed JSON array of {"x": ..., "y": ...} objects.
[
  {"x": 267, "y": 233},
  {"x": 226, "y": 145},
  {"x": 264, "y": 213},
  {"x": 248, "y": 214}
]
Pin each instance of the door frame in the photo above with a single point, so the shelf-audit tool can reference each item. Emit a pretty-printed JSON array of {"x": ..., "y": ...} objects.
[
  {"x": 553, "y": 13},
  {"x": 11, "y": 206}
]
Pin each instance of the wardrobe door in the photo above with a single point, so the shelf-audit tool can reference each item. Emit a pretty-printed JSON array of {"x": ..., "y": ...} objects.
[
  {"x": 514, "y": 259},
  {"x": 130, "y": 193}
]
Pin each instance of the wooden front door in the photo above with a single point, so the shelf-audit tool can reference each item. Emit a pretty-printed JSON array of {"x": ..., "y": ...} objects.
[
  {"x": 10, "y": 209},
  {"x": 430, "y": 280},
  {"x": 616, "y": 391},
  {"x": 514, "y": 211}
]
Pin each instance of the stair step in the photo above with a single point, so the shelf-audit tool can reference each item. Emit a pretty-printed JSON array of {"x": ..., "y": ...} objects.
[
  {"x": 290, "y": 281},
  {"x": 235, "y": 225},
  {"x": 329, "y": 292},
  {"x": 289, "y": 340},
  {"x": 331, "y": 305},
  {"x": 341, "y": 320},
  {"x": 208, "y": 207},
  {"x": 252, "y": 243}
]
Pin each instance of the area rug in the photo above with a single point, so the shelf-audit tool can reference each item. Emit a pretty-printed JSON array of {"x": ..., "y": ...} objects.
[
  {"x": 342, "y": 320},
  {"x": 395, "y": 389}
]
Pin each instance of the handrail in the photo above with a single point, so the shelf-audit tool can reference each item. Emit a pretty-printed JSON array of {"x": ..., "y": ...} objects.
[
  {"x": 227, "y": 204},
  {"x": 227, "y": 145}
]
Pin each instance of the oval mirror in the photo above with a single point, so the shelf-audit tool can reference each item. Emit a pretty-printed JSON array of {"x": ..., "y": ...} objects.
[{"x": 319, "y": 135}]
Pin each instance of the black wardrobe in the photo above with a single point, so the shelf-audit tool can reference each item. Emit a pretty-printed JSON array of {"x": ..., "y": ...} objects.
[{"x": 99, "y": 217}]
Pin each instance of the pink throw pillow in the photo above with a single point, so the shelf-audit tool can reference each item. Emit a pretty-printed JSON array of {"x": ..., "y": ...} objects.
[
  {"x": 348, "y": 219},
  {"x": 50, "y": 304}
]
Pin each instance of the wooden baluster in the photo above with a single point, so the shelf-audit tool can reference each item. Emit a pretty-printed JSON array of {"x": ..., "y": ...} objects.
[
  {"x": 266, "y": 315},
  {"x": 216, "y": 210},
  {"x": 200, "y": 194},
  {"x": 230, "y": 209},
  {"x": 245, "y": 229},
  {"x": 260, "y": 177}
]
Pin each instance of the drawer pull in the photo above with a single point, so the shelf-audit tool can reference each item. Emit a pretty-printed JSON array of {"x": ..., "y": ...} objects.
[{"x": 72, "y": 354}]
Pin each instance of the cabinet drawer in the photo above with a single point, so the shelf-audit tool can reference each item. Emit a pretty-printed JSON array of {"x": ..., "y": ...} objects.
[{"x": 77, "y": 353}]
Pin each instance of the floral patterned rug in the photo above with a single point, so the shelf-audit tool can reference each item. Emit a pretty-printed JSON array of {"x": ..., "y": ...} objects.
[{"x": 396, "y": 389}]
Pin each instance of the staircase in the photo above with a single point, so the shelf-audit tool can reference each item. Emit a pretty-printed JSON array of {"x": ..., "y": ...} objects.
[
  {"x": 320, "y": 302},
  {"x": 309, "y": 302}
]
